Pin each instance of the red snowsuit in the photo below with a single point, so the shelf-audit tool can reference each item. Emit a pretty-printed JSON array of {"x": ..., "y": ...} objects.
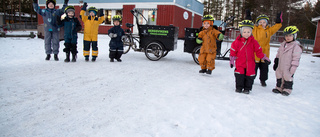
[{"x": 244, "y": 50}]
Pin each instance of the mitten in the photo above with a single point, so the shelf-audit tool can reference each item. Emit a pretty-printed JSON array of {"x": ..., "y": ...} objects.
[
  {"x": 85, "y": 5},
  {"x": 199, "y": 40},
  {"x": 66, "y": 2},
  {"x": 266, "y": 59},
  {"x": 232, "y": 59},
  {"x": 63, "y": 16},
  {"x": 275, "y": 65},
  {"x": 101, "y": 13},
  {"x": 279, "y": 17},
  {"x": 248, "y": 14},
  {"x": 220, "y": 37},
  {"x": 35, "y": 1}
]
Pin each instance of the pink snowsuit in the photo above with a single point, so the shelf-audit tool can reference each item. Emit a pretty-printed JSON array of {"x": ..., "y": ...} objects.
[{"x": 289, "y": 55}]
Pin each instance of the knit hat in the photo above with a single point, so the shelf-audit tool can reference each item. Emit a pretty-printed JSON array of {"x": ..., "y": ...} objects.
[{"x": 48, "y": 1}]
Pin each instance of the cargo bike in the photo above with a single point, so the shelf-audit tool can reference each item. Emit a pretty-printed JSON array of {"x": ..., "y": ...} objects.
[
  {"x": 191, "y": 46},
  {"x": 154, "y": 40}
]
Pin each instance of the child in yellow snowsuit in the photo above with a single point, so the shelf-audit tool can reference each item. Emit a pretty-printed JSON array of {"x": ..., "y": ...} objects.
[
  {"x": 208, "y": 51},
  {"x": 262, "y": 33},
  {"x": 91, "y": 26}
]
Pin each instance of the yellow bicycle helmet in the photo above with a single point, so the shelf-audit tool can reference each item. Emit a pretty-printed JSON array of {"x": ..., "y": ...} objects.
[
  {"x": 290, "y": 30},
  {"x": 246, "y": 23},
  {"x": 69, "y": 8},
  {"x": 207, "y": 17},
  {"x": 117, "y": 17},
  {"x": 262, "y": 16},
  {"x": 94, "y": 9}
]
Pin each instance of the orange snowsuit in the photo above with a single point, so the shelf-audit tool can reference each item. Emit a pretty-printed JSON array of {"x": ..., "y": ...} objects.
[
  {"x": 263, "y": 37},
  {"x": 208, "y": 49}
]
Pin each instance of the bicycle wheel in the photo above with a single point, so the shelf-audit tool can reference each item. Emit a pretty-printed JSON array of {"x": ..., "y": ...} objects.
[
  {"x": 195, "y": 54},
  {"x": 154, "y": 51},
  {"x": 126, "y": 44},
  {"x": 165, "y": 53}
]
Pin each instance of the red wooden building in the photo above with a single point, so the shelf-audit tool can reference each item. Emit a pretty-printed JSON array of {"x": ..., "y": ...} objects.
[
  {"x": 316, "y": 48},
  {"x": 179, "y": 13}
]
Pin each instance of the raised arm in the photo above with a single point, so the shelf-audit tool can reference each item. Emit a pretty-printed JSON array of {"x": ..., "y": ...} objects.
[{"x": 37, "y": 9}]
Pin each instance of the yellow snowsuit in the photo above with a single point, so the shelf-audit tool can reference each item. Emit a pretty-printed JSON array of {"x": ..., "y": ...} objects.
[
  {"x": 208, "y": 49},
  {"x": 263, "y": 37},
  {"x": 91, "y": 27}
]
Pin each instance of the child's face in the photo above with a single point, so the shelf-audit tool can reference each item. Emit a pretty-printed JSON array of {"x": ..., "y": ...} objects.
[
  {"x": 116, "y": 23},
  {"x": 206, "y": 25},
  {"x": 91, "y": 13},
  {"x": 263, "y": 23},
  {"x": 246, "y": 32},
  {"x": 288, "y": 37},
  {"x": 51, "y": 5},
  {"x": 70, "y": 14}
]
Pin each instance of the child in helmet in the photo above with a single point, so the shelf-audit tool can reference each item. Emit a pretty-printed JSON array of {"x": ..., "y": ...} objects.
[
  {"x": 116, "y": 45},
  {"x": 91, "y": 26},
  {"x": 208, "y": 36},
  {"x": 71, "y": 27},
  {"x": 262, "y": 33},
  {"x": 51, "y": 29},
  {"x": 287, "y": 61},
  {"x": 242, "y": 53}
]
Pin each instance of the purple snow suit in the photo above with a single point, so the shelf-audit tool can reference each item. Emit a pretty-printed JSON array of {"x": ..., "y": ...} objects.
[{"x": 289, "y": 57}]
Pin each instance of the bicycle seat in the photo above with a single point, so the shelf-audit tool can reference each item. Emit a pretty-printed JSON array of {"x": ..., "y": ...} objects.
[{"x": 129, "y": 25}]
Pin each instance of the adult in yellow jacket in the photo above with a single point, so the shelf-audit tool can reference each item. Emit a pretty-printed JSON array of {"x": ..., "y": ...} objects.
[
  {"x": 208, "y": 51},
  {"x": 262, "y": 33},
  {"x": 91, "y": 27}
]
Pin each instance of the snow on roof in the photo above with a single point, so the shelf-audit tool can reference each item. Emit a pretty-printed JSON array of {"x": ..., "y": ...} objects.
[{"x": 315, "y": 19}]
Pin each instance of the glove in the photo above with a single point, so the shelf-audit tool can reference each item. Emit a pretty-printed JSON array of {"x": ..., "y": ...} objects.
[
  {"x": 232, "y": 59},
  {"x": 275, "y": 65},
  {"x": 66, "y": 2},
  {"x": 63, "y": 16},
  {"x": 35, "y": 1},
  {"x": 279, "y": 17},
  {"x": 199, "y": 40},
  {"x": 248, "y": 14},
  {"x": 101, "y": 13},
  {"x": 85, "y": 5},
  {"x": 266, "y": 59},
  {"x": 113, "y": 35},
  {"x": 220, "y": 37}
]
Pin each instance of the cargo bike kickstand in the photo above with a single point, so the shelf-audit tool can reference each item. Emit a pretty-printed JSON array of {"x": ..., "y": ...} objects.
[
  {"x": 155, "y": 41},
  {"x": 192, "y": 47}
]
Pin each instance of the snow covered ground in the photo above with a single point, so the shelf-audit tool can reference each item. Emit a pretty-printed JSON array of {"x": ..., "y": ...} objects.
[{"x": 142, "y": 98}]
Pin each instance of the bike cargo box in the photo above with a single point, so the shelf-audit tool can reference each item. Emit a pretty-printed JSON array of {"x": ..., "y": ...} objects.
[
  {"x": 166, "y": 35},
  {"x": 190, "y": 39}
]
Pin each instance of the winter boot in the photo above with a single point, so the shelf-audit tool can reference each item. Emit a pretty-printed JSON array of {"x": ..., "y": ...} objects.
[
  {"x": 48, "y": 57},
  {"x": 203, "y": 71},
  {"x": 263, "y": 83},
  {"x": 86, "y": 59},
  {"x": 275, "y": 91},
  {"x": 285, "y": 93},
  {"x": 111, "y": 60},
  {"x": 93, "y": 59},
  {"x": 67, "y": 57},
  {"x": 246, "y": 91},
  {"x": 119, "y": 60},
  {"x": 74, "y": 57},
  {"x": 209, "y": 72},
  {"x": 239, "y": 90},
  {"x": 56, "y": 57}
]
